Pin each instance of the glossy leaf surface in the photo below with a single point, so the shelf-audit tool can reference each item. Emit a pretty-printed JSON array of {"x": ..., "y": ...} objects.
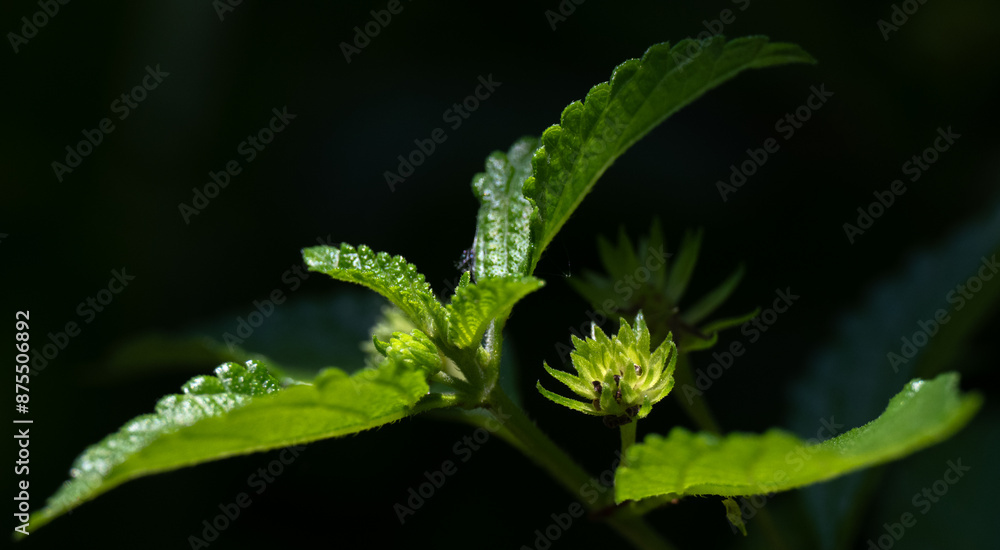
[{"x": 739, "y": 464}]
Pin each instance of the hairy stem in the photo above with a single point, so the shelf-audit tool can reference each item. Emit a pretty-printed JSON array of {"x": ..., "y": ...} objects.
[
  {"x": 522, "y": 432},
  {"x": 516, "y": 428}
]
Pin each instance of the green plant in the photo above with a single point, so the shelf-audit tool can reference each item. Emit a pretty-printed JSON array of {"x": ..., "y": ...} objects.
[{"x": 448, "y": 356}]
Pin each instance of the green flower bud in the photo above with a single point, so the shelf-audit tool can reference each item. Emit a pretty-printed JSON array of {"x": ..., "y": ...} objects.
[{"x": 618, "y": 378}]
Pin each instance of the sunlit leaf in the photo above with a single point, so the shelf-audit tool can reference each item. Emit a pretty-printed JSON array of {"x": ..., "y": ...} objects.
[
  {"x": 242, "y": 410},
  {"x": 390, "y": 276},
  {"x": 739, "y": 464},
  {"x": 503, "y": 225},
  {"x": 475, "y": 306},
  {"x": 642, "y": 93}
]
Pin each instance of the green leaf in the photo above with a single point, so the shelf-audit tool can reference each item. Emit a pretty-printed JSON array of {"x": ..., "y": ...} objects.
[
  {"x": 734, "y": 515},
  {"x": 415, "y": 351},
  {"x": 242, "y": 410},
  {"x": 708, "y": 303},
  {"x": 503, "y": 225},
  {"x": 689, "y": 342},
  {"x": 641, "y": 95},
  {"x": 474, "y": 307},
  {"x": 663, "y": 288},
  {"x": 382, "y": 348},
  {"x": 565, "y": 401},
  {"x": 390, "y": 321},
  {"x": 621, "y": 258},
  {"x": 683, "y": 463},
  {"x": 852, "y": 376},
  {"x": 680, "y": 273},
  {"x": 390, "y": 276},
  {"x": 624, "y": 265}
]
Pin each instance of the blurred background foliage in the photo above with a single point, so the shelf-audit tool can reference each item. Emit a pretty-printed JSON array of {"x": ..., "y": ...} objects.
[{"x": 323, "y": 178}]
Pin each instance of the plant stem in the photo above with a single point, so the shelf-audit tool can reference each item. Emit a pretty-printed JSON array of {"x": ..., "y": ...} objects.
[
  {"x": 519, "y": 430},
  {"x": 628, "y": 435}
]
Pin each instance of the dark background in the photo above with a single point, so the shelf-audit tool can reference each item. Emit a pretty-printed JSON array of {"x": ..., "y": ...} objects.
[{"x": 324, "y": 176}]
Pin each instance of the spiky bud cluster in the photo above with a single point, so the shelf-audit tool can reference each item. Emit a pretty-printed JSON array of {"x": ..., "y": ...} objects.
[{"x": 619, "y": 378}]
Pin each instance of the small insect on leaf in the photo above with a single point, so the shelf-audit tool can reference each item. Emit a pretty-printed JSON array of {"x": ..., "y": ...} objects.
[{"x": 467, "y": 261}]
